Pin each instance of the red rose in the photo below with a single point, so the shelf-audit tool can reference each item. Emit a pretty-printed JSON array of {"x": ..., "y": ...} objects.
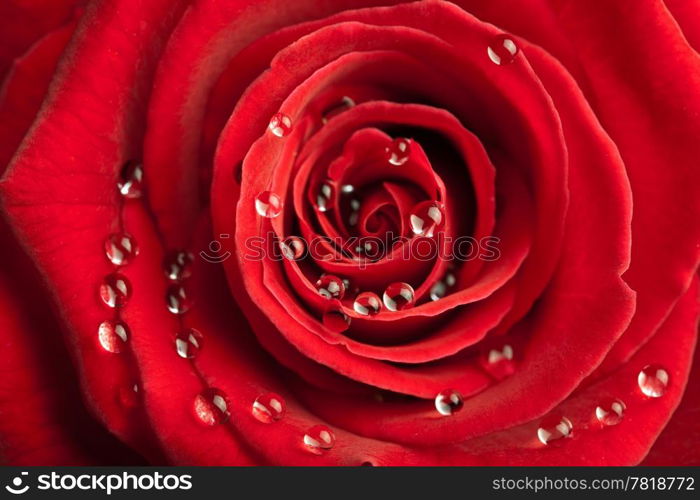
[{"x": 448, "y": 234}]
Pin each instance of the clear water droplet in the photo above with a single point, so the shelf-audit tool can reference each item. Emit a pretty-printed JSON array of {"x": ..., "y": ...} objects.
[
  {"x": 268, "y": 204},
  {"x": 450, "y": 279},
  {"x": 499, "y": 362},
  {"x": 399, "y": 151},
  {"x": 280, "y": 125},
  {"x": 502, "y": 50},
  {"x": 115, "y": 290},
  {"x": 293, "y": 248},
  {"x": 129, "y": 395},
  {"x": 448, "y": 402},
  {"x": 188, "y": 343},
  {"x": 334, "y": 110},
  {"x": 438, "y": 290},
  {"x": 319, "y": 439},
  {"x": 130, "y": 182},
  {"x": 269, "y": 408},
  {"x": 177, "y": 299},
  {"x": 211, "y": 407},
  {"x": 399, "y": 296},
  {"x": 554, "y": 427},
  {"x": 653, "y": 381},
  {"x": 325, "y": 197},
  {"x": 367, "y": 304},
  {"x": 335, "y": 319},
  {"x": 610, "y": 411},
  {"x": 426, "y": 218},
  {"x": 120, "y": 248},
  {"x": 178, "y": 265},
  {"x": 330, "y": 287},
  {"x": 347, "y": 188},
  {"x": 113, "y": 335}
]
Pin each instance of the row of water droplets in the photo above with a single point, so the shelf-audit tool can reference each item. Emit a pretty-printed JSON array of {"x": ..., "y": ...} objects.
[
  {"x": 652, "y": 381},
  {"x": 211, "y": 406}
]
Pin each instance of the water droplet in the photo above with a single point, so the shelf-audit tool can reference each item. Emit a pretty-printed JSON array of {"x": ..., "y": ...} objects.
[
  {"x": 178, "y": 265},
  {"x": 499, "y": 362},
  {"x": 336, "y": 320},
  {"x": 330, "y": 287},
  {"x": 268, "y": 204},
  {"x": 325, "y": 197},
  {"x": 344, "y": 104},
  {"x": 113, "y": 335},
  {"x": 399, "y": 151},
  {"x": 399, "y": 296},
  {"x": 653, "y": 381},
  {"x": 129, "y": 395},
  {"x": 280, "y": 125},
  {"x": 347, "y": 188},
  {"x": 426, "y": 218},
  {"x": 450, "y": 279},
  {"x": 130, "y": 182},
  {"x": 269, "y": 408},
  {"x": 502, "y": 50},
  {"x": 448, "y": 402},
  {"x": 293, "y": 248},
  {"x": 318, "y": 439},
  {"x": 115, "y": 290},
  {"x": 121, "y": 248},
  {"x": 438, "y": 290},
  {"x": 367, "y": 304},
  {"x": 188, "y": 343},
  {"x": 355, "y": 212},
  {"x": 610, "y": 412},
  {"x": 211, "y": 407},
  {"x": 554, "y": 427},
  {"x": 177, "y": 299}
]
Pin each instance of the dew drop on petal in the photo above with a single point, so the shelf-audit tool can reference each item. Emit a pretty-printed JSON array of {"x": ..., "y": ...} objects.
[
  {"x": 178, "y": 265},
  {"x": 211, "y": 407},
  {"x": 129, "y": 395},
  {"x": 268, "y": 204},
  {"x": 426, "y": 218},
  {"x": 113, "y": 335},
  {"x": 502, "y": 50},
  {"x": 334, "y": 110},
  {"x": 399, "y": 296},
  {"x": 347, "y": 188},
  {"x": 130, "y": 182},
  {"x": 280, "y": 125},
  {"x": 335, "y": 319},
  {"x": 177, "y": 299},
  {"x": 438, "y": 290},
  {"x": 653, "y": 380},
  {"x": 554, "y": 427},
  {"x": 325, "y": 197},
  {"x": 610, "y": 411},
  {"x": 188, "y": 343},
  {"x": 399, "y": 151},
  {"x": 498, "y": 362},
  {"x": 293, "y": 248},
  {"x": 115, "y": 290},
  {"x": 120, "y": 248},
  {"x": 319, "y": 439},
  {"x": 269, "y": 408},
  {"x": 330, "y": 287},
  {"x": 448, "y": 402},
  {"x": 367, "y": 304}
]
